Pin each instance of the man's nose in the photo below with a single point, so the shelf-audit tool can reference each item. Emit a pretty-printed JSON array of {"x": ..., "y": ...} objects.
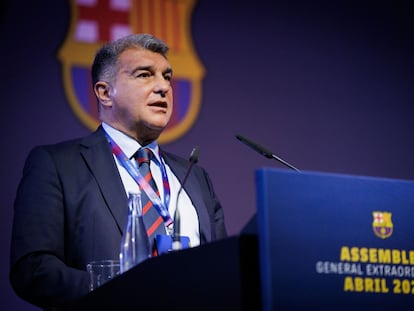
[{"x": 162, "y": 86}]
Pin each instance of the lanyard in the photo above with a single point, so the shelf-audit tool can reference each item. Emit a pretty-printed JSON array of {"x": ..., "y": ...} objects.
[{"x": 140, "y": 180}]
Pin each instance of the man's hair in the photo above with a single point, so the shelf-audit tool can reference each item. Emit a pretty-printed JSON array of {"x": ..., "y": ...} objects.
[{"x": 104, "y": 67}]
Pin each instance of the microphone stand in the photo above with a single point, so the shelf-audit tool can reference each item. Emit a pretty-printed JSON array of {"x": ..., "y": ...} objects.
[{"x": 176, "y": 238}]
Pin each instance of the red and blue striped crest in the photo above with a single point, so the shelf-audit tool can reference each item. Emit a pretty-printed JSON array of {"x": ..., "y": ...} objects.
[{"x": 94, "y": 22}]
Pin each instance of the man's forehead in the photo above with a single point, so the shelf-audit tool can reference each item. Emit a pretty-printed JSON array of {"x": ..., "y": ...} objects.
[{"x": 143, "y": 57}]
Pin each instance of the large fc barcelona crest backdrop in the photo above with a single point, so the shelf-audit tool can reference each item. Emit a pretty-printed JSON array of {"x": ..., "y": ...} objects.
[{"x": 95, "y": 22}]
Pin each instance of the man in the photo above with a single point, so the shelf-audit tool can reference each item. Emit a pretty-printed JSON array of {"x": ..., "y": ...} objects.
[{"x": 71, "y": 204}]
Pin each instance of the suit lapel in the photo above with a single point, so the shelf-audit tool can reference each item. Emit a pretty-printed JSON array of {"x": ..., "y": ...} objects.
[{"x": 97, "y": 153}]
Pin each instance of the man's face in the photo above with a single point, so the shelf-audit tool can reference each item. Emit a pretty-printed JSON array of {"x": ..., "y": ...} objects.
[{"x": 141, "y": 94}]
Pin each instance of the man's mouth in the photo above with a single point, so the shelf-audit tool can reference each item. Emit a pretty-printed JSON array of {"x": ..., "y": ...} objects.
[{"x": 159, "y": 104}]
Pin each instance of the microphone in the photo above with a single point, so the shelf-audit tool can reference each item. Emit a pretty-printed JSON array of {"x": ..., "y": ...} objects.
[
  {"x": 263, "y": 151},
  {"x": 176, "y": 238}
]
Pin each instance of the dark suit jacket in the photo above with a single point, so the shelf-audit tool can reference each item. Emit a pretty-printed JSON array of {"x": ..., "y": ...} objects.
[{"x": 71, "y": 208}]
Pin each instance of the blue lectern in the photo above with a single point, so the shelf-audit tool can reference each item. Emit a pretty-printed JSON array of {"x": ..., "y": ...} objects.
[
  {"x": 335, "y": 242},
  {"x": 318, "y": 241}
]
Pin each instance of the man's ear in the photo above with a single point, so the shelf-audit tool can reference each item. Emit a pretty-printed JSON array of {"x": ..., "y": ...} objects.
[{"x": 102, "y": 92}]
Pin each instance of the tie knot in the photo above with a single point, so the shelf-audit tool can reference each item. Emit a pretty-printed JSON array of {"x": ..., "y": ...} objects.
[{"x": 143, "y": 155}]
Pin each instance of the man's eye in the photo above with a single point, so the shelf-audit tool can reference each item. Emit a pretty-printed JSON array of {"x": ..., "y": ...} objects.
[
  {"x": 168, "y": 77},
  {"x": 144, "y": 75}
]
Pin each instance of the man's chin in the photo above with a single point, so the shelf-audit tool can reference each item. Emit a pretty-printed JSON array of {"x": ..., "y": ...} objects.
[
  {"x": 157, "y": 126},
  {"x": 155, "y": 130}
]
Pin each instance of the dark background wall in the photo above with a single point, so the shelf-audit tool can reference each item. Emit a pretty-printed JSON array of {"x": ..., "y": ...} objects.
[{"x": 326, "y": 85}]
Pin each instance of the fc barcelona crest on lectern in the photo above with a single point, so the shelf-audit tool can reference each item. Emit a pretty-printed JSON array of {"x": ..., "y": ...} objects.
[{"x": 382, "y": 224}]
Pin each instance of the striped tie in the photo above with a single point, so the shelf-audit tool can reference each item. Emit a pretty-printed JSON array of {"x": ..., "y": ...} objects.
[{"x": 152, "y": 219}]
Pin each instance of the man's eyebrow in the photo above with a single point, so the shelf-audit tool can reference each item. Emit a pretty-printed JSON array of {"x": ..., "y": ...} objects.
[
  {"x": 150, "y": 68},
  {"x": 168, "y": 70},
  {"x": 146, "y": 68}
]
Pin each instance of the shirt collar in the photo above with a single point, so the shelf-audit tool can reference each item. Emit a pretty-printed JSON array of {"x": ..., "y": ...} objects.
[{"x": 127, "y": 144}]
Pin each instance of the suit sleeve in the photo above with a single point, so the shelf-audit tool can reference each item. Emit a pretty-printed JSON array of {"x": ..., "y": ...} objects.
[
  {"x": 38, "y": 272},
  {"x": 216, "y": 211}
]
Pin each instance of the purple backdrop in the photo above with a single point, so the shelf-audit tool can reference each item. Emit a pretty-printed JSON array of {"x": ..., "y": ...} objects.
[{"x": 327, "y": 86}]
